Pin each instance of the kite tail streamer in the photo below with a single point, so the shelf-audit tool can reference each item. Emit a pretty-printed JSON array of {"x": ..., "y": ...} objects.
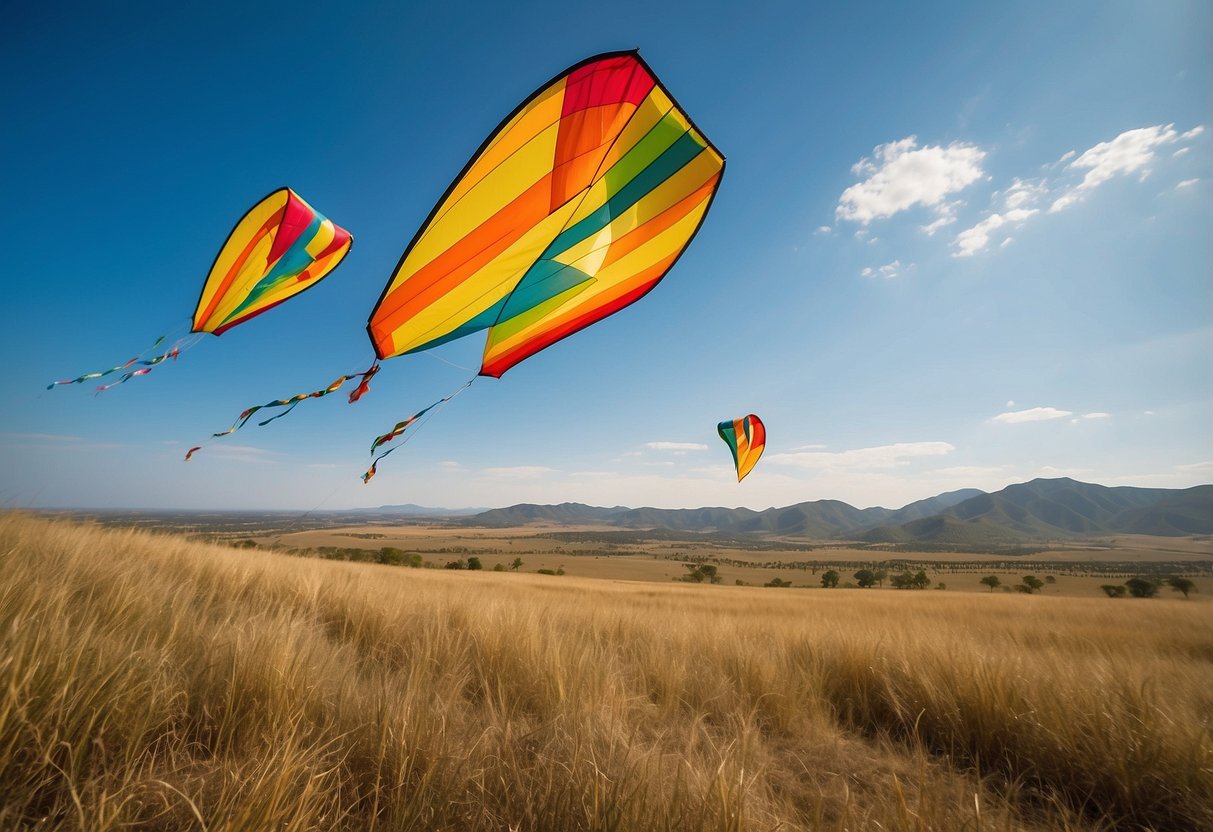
[
  {"x": 365, "y": 386},
  {"x": 290, "y": 403},
  {"x": 174, "y": 353},
  {"x": 401, "y": 427},
  {"x": 120, "y": 367}
]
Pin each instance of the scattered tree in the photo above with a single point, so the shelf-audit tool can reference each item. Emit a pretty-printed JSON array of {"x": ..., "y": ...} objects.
[
  {"x": 881, "y": 574},
  {"x": 903, "y": 581},
  {"x": 781, "y": 582},
  {"x": 1033, "y": 583},
  {"x": 456, "y": 564},
  {"x": 1050, "y": 579},
  {"x": 1142, "y": 587},
  {"x": 698, "y": 573},
  {"x": 992, "y": 581},
  {"x": 829, "y": 578},
  {"x": 920, "y": 580},
  {"x": 498, "y": 567},
  {"x": 1114, "y": 590},
  {"x": 1183, "y": 585},
  {"x": 865, "y": 578},
  {"x": 474, "y": 563},
  {"x": 515, "y": 563}
]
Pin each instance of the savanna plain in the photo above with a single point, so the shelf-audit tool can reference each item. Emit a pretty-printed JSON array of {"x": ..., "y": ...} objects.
[{"x": 157, "y": 681}]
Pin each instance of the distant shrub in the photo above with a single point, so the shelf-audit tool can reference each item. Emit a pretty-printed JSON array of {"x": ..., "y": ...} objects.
[
  {"x": 829, "y": 579},
  {"x": 1142, "y": 587},
  {"x": 499, "y": 567},
  {"x": 1114, "y": 590},
  {"x": 547, "y": 571},
  {"x": 474, "y": 563},
  {"x": 456, "y": 564},
  {"x": 780, "y": 582}
]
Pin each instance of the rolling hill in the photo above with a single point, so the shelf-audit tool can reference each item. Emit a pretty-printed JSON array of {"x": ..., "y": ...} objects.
[{"x": 1042, "y": 508}]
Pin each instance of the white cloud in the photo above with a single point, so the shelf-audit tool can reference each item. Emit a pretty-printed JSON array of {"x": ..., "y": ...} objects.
[
  {"x": 1069, "y": 154},
  {"x": 1024, "y": 193},
  {"x": 1187, "y": 183},
  {"x": 972, "y": 240},
  {"x": 1130, "y": 152},
  {"x": 1010, "y": 403},
  {"x": 675, "y": 446},
  {"x": 1097, "y": 415},
  {"x": 902, "y": 175},
  {"x": 1032, "y": 414},
  {"x": 1193, "y": 133},
  {"x": 1183, "y": 151},
  {"x": 823, "y": 229},
  {"x": 859, "y": 459},
  {"x": 887, "y": 271},
  {"x": 1006, "y": 242}
]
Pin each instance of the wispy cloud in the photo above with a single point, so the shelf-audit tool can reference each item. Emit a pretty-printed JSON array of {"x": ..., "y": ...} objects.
[
  {"x": 887, "y": 271},
  {"x": 675, "y": 446},
  {"x": 1187, "y": 183},
  {"x": 241, "y": 453},
  {"x": 902, "y": 175},
  {"x": 519, "y": 472},
  {"x": 1132, "y": 151},
  {"x": 41, "y": 437},
  {"x": 1032, "y": 414},
  {"x": 972, "y": 240},
  {"x": 859, "y": 459},
  {"x": 1097, "y": 415}
]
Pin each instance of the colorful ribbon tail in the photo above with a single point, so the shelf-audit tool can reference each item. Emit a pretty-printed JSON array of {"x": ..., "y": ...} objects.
[
  {"x": 190, "y": 452},
  {"x": 366, "y": 478},
  {"x": 89, "y": 376},
  {"x": 363, "y": 388}
]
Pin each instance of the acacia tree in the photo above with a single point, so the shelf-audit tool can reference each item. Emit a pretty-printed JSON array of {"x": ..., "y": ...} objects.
[
  {"x": 865, "y": 578},
  {"x": 920, "y": 580},
  {"x": 1033, "y": 583},
  {"x": 829, "y": 579},
  {"x": 1142, "y": 587},
  {"x": 992, "y": 581},
  {"x": 1183, "y": 585}
]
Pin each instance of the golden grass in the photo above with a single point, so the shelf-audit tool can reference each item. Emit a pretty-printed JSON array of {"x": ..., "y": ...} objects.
[{"x": 147, "y": 682}]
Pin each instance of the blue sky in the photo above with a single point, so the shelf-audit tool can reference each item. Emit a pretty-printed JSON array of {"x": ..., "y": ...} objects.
[{"x": 956, "y": 245}]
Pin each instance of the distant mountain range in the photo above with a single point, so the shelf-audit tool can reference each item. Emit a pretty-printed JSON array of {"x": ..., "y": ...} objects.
[
  {"x": 412, "y": 510},
  {"x": 1042, "y": 508}
]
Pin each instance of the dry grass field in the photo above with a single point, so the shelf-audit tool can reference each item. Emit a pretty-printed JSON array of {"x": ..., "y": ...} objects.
[
  {"x": 151, "y": 682},
  {"x": 1074, "y": 565}
]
